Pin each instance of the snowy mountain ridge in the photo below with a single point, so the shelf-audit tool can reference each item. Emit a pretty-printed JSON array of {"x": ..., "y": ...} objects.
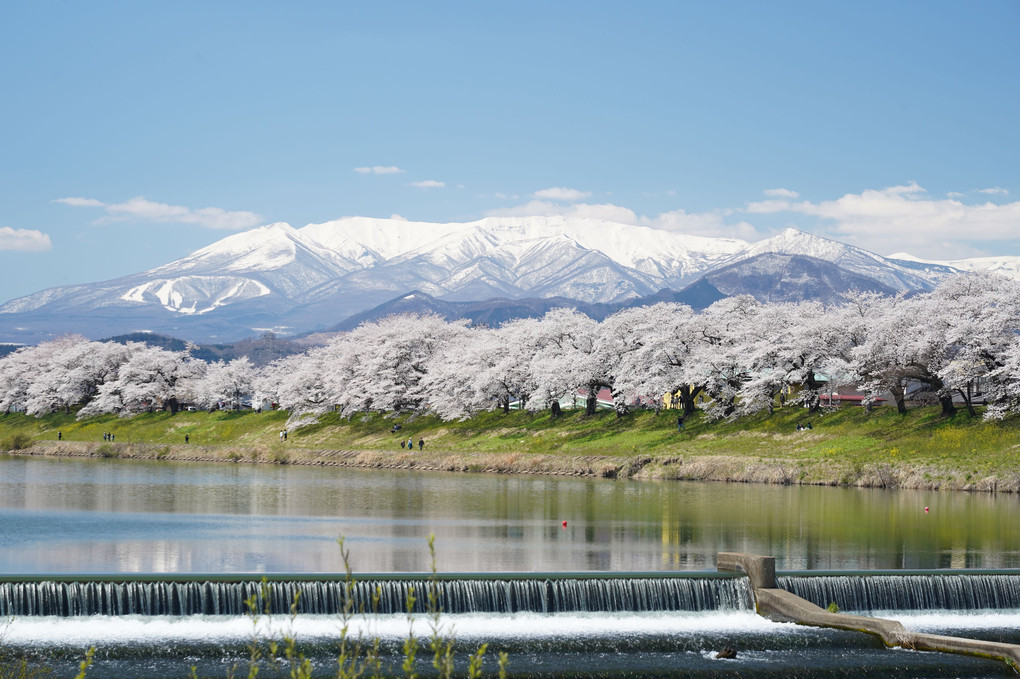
[
  {"x": 1005, "y": 265},
  {"x": 279, "y": 277}
]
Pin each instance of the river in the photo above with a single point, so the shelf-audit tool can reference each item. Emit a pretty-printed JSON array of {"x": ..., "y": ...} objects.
[
  {"x": 120, "y": 516},
  {"x": 64, "y": 516}
]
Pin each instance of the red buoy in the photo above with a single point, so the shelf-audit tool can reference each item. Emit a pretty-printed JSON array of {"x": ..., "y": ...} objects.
[
  {"x": 925, "y": 510},
  {"x": 564, "y": 524}
]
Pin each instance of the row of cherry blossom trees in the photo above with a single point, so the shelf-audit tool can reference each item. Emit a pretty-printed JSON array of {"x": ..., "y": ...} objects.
[{"x": 737, "y": 357}]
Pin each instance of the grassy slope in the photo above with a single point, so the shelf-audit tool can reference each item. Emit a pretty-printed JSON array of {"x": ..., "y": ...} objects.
[{"x": 919, "y": 449}]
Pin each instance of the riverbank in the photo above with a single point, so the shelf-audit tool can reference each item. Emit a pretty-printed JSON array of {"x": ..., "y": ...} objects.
[{"x": 919, "y": 450}]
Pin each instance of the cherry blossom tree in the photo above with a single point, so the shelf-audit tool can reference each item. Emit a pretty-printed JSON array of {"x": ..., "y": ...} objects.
[
  {"x": 512, "y": 353},
  {"x": 982, "y": 320},
  {"x": 70, "y": 371},
  {"x": 719, "y": 360},
  {"x": 16, "y": 373},
  {"x": 567, "y": 359},
  {"x": 151, "y": 378},
  {"x": 665, "y": 339},
  {"x": 639, "y": 349},
  {"x": 298, "y": 383},
  {"x": 789, "y": 352},
  {"x": 226, "y": 382},
  {"x": 1004, "y": 382},
  {"x": 382, "y": 363},
  {"x": 743, "y": 355},
  {"x": 464, "y": 376}
]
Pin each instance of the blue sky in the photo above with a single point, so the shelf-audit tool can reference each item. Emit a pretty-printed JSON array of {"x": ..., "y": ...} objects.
[{"x": 136, "y": 132}]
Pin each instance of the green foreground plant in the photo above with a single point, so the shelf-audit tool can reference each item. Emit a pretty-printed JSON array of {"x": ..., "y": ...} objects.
[{"x": 358, "y": 656}]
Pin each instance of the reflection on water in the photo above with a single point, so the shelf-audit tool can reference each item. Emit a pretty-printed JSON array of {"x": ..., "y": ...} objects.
[{"x": 60, "y": 515}]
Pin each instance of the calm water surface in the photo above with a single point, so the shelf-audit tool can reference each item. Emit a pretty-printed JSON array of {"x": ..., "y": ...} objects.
[{"x": 67, "y": 515}]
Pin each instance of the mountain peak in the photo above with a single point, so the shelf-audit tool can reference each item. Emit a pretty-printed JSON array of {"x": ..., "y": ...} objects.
[
  {"x": 795, "y": 241},
  {"x": 279, "y": 276}
]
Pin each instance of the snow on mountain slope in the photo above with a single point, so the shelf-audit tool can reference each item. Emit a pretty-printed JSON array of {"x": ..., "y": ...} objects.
[
  {"x": 1005, "y": 265},
  {"x": 276, "y": 255},
  {"x": 896, "y": 274},
  {"x": 196, "y": 294},
  {"x": 276, "y": 275},
  {"x": 653, "y": 251},
  {"x": 263, "y": 261}
]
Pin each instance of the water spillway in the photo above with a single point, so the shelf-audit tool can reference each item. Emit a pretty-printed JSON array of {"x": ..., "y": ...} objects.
[
  {"x": 916, "y": 591},
  {"x": 182, "y": 596},
  {"x": 782, "y": 605}
]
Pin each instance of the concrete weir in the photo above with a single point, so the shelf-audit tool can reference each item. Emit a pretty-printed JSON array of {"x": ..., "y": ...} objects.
[{"x": 782, "y": 606}]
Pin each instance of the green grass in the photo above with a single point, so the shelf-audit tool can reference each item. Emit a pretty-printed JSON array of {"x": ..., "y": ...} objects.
[{"x": 849, "y": 436}]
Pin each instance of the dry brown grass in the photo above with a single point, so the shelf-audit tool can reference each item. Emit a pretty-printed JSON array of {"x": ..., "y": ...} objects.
[{"x": 723, "y": 468}]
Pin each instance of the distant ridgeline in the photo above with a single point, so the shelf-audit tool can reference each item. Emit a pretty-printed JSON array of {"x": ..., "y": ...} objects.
[
  {"x": 260, "y": 350},
  {"x": 313, "y": 278}
]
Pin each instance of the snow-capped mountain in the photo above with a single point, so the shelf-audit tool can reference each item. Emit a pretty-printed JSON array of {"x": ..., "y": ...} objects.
[
  {"x": 292, "y": 280},
  {"x": 1005, "y": 265},
  {"x": 900, "y": 275}
]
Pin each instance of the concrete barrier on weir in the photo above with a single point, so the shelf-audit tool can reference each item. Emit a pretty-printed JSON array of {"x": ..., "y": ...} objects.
[{"x": 782, "y": 606}]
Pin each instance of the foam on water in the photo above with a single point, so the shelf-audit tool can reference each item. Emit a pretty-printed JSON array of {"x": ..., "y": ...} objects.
[
  {"x": 939, "y": 621},
  {"x": 84, "y": 631}
]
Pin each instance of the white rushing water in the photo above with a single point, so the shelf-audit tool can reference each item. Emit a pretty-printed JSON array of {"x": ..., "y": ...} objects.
[{"x": 85, "y": 631}]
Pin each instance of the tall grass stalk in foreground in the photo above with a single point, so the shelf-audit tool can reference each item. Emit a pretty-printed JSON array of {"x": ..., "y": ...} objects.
[
  {"x": 441, "y": 639},
  {"x": 358, "y": 656}
]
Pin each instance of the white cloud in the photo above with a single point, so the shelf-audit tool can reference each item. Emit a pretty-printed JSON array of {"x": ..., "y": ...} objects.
[
  {"x": 24, "y": 240},
  {"x": 994, "y": 191},
  {"x": 769, "y": 206},
  {"x": 562, "y": 194},
  {"x": 379, "y": 169},
  {"x": 81, "y": 202},
  {"x": 428, "y": 184},
  {"x": 141, "y": 209},
  {"x": 544, "y": 208},
  {"x": 781, "y": 193},
  {"x": 956, "y": 194},
  {"x": 710, "y": 224},
  {"x": 604, "y": 211},
  {"x": 904, "y": 218}
]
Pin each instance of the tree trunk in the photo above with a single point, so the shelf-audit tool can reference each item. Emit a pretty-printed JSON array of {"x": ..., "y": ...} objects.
[
  {"x": 900, "y": 398},
  {"x": 948, "y": 408},
  {"x": 505, "y": 404},
  {"x": 968, "y": 400},
  {"x": 687, "y": 396},
  {"x": 591, "y": 403},
  {"x": 814, "y": 403}
]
